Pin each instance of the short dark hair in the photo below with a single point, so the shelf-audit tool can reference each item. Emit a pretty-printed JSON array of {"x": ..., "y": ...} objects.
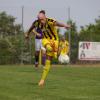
[{"x": 42, "y": 11}]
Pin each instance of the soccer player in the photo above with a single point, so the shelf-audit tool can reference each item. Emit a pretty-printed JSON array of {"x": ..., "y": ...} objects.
[
  {"x": 63, "y": 46},
  {"x": 63, "y": 50},
  {"x": 49, "y": 41},
  {"x": 38, "y": 43}
]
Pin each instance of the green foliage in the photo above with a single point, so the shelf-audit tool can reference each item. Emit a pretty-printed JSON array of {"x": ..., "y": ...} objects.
[
  {"x": 9, "y": 51},
  {"x": 8, "y": 26},
  {"x": 4, "y": 50},
  {"x": 10, "y": 39},
  {"x": 90, "y": 32}
]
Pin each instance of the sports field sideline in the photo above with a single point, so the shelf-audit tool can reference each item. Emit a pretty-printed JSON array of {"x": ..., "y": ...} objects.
[{"x": 71, "y": 82}]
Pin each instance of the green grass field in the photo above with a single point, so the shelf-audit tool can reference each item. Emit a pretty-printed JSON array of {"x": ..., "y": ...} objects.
[{"x": 63, "y": 83}]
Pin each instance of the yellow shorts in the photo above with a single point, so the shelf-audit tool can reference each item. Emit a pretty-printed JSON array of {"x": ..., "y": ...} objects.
[{"x": 53, "y": 44}]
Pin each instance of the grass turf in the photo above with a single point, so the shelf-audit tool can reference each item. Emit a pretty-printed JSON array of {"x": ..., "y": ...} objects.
[{"x": 63, "y": 83}]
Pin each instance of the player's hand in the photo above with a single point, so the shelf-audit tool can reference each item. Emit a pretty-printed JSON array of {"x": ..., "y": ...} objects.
[
  {"x": 26, "y": 36},
  {"x": 36, "y": 33},
  {"x": 67, "y": 26},
  {"x": 39, "y": 35}
]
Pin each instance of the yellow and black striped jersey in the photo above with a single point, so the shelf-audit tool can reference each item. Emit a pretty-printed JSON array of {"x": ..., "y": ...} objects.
[
  {"x": 49, "y": 30},
  {"x": 64, "y": 45}
]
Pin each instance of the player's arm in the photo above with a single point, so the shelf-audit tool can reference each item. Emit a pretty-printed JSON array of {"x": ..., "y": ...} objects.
[
  {"x": 56, "y": 23},
  {"x": 35, "y": 32},
  {"x": 29, "y": 31},
  {"x": 33, "y": 26},
  {"x": 62, "y": 25}
]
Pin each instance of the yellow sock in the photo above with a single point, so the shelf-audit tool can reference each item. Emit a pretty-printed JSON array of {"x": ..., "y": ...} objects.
[
  {"x": 55, "y": 55},
  {"x": 46, "y": 69}
]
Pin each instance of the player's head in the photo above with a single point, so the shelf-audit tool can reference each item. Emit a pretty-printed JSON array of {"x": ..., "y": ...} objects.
[{"x": 42, "y": 16}]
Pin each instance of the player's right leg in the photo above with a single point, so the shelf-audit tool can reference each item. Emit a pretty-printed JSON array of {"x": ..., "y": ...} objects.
[
  {"x": 46, "y": 69},
  {"x": 51, "y": 51}
]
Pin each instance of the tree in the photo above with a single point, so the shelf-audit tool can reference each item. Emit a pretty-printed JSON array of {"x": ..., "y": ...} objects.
[
  {"x": 8, "y": 26},
  {"x": 90, "y": 32},
  {"x": 10, "y": 39}
]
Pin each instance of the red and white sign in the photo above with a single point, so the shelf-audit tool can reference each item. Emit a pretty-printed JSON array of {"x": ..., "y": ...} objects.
[{"x": 89, "y": 51}]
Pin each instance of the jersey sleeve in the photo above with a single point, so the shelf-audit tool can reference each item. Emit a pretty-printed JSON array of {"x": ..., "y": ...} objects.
[
  {"x": 52, "y": 21},
  {"x": 34, "y": 25}
]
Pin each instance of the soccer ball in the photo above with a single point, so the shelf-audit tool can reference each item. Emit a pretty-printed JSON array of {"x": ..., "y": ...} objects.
[{"x": 63, "y": 59}]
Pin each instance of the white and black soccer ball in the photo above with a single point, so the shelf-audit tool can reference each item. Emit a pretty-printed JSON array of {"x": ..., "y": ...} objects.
[{"x": 63, "y": 59}]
